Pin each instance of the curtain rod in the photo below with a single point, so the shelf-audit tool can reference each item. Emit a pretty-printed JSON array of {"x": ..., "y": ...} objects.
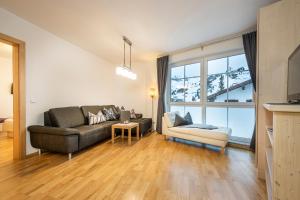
[{"x": 210, "y": 42}]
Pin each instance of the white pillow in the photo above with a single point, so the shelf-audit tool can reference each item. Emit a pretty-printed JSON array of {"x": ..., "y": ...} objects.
[
  {"x": 96, "y": 119},
  {"x": 170, "y": 118}
]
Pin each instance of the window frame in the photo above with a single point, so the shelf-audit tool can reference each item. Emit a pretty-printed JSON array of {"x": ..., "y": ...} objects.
[
  {"x": 180, "y": 64},
  {"x": 203, "y": 103}
]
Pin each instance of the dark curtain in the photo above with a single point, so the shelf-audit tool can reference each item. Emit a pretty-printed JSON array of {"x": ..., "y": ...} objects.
[
  {"x": 249, "y": 42},
  {"x": 162, "y": 72}
]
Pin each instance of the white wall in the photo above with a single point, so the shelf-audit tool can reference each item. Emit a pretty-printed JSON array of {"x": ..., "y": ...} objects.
[
  {"x": 6, "y": 98},
  {"x": 59, "y": 73},
  {"x": 217, "y": 48}
]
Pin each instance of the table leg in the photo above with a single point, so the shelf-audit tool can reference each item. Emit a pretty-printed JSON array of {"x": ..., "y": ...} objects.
[
  {"x": 112, "y": 135},
  {"x": 122, "y": 134},
  {"x": 137, "y": 132},
  {"x": 129, "y": 136}
]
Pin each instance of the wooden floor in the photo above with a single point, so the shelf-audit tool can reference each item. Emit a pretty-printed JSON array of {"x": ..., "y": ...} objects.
[
  {"x": 6, "y": 150},
  {"x": 151, "y": 168}
]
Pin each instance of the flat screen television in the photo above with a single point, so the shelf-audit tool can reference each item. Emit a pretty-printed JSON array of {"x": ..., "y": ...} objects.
[{"x": 293, "y": 90}]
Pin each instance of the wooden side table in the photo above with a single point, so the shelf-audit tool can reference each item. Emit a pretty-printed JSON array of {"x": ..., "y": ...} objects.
[{"x": 128, "y": 126}]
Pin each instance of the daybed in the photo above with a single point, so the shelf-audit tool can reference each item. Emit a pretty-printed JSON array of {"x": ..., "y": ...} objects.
[{"x": 217, "y": 137}]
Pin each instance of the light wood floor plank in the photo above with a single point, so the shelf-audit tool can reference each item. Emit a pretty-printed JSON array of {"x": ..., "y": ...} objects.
[{"x": 151, "y": 168}]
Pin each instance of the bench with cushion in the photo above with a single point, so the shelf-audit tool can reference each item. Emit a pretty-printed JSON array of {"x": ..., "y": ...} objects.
[
  {"x": 66, "y": 130},
  {"x": 217, "y": 137}
]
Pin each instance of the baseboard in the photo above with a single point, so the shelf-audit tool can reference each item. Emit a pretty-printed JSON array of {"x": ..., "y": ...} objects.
[
  {"x": 239, "y": 145},
  {"x": 32, "y": 154}
]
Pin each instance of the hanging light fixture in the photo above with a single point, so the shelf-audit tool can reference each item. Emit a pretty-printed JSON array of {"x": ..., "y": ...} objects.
[{"x": 124, "y": 70}]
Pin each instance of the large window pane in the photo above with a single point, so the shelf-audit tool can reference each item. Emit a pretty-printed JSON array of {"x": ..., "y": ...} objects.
[
  {"x": 192, "y": 70},
  {"x": 241, "y": 121},
  {"x": 177, "y": 72},
  {"x": 240, "y": 86},
  {"x": 185, "y": 83},
  {"x": 242, "y": 93},
  {"x": 216, "y": 116},
  {"x": 196, "y": 113},
  {"x": 180, "y": 109},
  {"x": 217, "y": 88},
  {"x": 217, "y": 66},
  {"x": 177, "y": 90},
  {"x": 237, "y": 63},
  {"x": 192, "y": 89}
]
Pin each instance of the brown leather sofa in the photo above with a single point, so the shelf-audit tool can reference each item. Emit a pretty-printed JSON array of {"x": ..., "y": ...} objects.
[{"x": 66, "y": 129}]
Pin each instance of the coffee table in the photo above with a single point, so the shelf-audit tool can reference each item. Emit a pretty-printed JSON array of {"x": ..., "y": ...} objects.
[{"x": 128, "y": 126}]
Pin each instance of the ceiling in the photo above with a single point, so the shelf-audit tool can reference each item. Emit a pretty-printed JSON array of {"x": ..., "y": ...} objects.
[
  {"x": 5, "y": 50},
  {"x": 154, "y": 26}
]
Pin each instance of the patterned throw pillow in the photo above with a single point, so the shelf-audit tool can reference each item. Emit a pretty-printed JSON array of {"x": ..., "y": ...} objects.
[
  {"x": 116, "y": 112},
  {"x": 109, "y": 114},
  {"x": 96, "y": 119},
  {"x": 118, "y": 109}
]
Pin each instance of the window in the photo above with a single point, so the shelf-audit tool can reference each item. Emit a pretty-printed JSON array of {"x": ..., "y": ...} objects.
[
  {"x": 185, "y": 83},
  {"x": 228, "y": 80},
  {"x": 224, "y": 100}
]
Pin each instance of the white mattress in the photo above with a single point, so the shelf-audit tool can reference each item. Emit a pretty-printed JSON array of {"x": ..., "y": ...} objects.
[{"x": 219, "y": 134}]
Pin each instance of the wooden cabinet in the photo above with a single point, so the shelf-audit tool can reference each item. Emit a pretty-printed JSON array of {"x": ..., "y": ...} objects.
[
  {"x": 282, "y": 151},
  {"x": 278, "y": 35}
]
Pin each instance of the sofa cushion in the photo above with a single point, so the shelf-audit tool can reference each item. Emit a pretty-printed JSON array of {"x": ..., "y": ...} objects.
[
  {"x": 91, "y": 134},
  {"x": 221, "y": 133},
  {"x": 66, "y": 117},
  {"x": 180, "y": 121},
  {"x": 93, "y": 109},
  {"x": 188, "y": 118},
  {"x": 170, "y": 118}
]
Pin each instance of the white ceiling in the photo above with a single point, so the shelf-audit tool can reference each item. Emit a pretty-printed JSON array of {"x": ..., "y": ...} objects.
[{"x": 154, "y": 26}]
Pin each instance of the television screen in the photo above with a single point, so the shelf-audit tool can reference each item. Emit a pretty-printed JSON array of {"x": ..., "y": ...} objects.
[{"x": 293, "y": 90}]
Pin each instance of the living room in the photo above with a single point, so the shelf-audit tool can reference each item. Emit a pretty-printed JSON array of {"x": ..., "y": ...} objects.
[{"x": 128, "y": 100}]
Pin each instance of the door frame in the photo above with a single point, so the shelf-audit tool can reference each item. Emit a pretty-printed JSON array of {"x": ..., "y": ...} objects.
[{"x": 19, "y": 98}]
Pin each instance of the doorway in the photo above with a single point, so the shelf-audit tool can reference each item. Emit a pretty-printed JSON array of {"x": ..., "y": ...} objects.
[
  {"x": 6, "y": 103},
  {"x": 13, "y": 120}
]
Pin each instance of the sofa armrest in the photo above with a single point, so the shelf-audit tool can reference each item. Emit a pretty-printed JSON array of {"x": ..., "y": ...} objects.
[
  {"x": 63, "y": 140},
  {"x": 164, "y": 126},
  {"x": 37, "y": 129}
]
